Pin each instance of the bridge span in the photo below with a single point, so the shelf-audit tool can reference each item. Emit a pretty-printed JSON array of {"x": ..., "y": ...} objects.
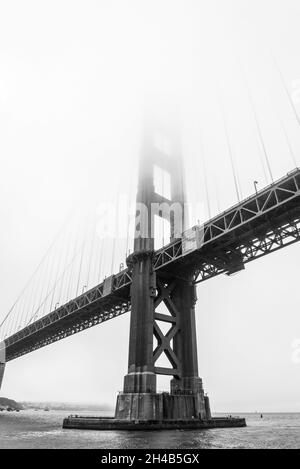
[{"x": 259, "y": 225}]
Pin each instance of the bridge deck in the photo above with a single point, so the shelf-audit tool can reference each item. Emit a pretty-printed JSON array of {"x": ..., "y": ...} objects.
[{"x": 259, "y": 225}]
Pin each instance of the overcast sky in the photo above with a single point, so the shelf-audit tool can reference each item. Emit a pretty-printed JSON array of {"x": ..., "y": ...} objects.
[{"x": 74, "y": 77}]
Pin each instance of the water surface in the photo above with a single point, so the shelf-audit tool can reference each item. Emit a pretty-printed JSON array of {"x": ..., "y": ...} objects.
[{"x": 40, "y": 429}]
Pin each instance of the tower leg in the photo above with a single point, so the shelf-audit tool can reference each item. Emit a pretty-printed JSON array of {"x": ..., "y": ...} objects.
[
  {"x": 184, "y": 298},
  {"x": 139, "y": 400}
]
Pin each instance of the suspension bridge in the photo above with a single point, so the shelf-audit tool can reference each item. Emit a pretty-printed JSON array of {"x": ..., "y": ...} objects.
[{"x": 158, "y": 286}]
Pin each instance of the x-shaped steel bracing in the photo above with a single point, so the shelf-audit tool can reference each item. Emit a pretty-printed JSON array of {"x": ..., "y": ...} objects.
[{"x": 164, "y": 294}]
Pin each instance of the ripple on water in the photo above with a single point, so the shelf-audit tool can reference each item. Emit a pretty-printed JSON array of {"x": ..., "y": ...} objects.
[{"x": 29, "y": 429}]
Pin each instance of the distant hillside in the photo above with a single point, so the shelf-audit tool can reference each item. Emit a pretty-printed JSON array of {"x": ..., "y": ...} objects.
[
  {"x": 4, "y": 402},
  {"x": 69, "y": 406}
]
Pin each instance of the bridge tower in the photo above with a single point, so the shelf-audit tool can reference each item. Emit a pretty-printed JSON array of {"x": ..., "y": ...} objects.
[{"x": 161, "y": 149}]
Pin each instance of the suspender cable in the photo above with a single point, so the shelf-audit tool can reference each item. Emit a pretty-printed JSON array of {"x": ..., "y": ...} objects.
[
  {"x": 129, "y": 219},
  {"x": 100, "y": 260},
  {"x": 81, "y": 259},
  {"x": 25, "y": 303},
  {"x": 284, "y": 128},
  {"x": 58, "y": 267},
  {"x": 288, "y": 143},
  {"x": 44, "y": 283},
  {"x": 53, "y": 288},
  {"x": 116, "y": 229},
  {"x": 259, "y": 131},
  {"x": 32, "y": 281},
  {"x": 260, "y": 135},
  {"x": 69, "y": 287},
  {"x": 230, "y": 150},
  {"x": 32, "y": 277},
  {"x": 30, "y": 301},
  {"x": 65, "y": 263},
  {"x": 287, "y": 91},
  {"x": 217, "y": 194},
  {"x": 205, "y": 175},
  {"x": 113, "y": 254},
  {"x": 91, "y": 252},
  {"x": 49, "y": 280},
  {"x": 131, "y": 211}
]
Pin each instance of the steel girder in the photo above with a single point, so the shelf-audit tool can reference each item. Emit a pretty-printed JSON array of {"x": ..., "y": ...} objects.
[
  {"x": 273, "y": 240},
  {"x": 243, "y": 217},
  {"x": 87, "y": 310},
  {"x": 65, "y": 329}
]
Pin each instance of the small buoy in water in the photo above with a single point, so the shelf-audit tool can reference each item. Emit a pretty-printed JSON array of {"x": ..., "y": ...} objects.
[{"x": 261, "y": 416}]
